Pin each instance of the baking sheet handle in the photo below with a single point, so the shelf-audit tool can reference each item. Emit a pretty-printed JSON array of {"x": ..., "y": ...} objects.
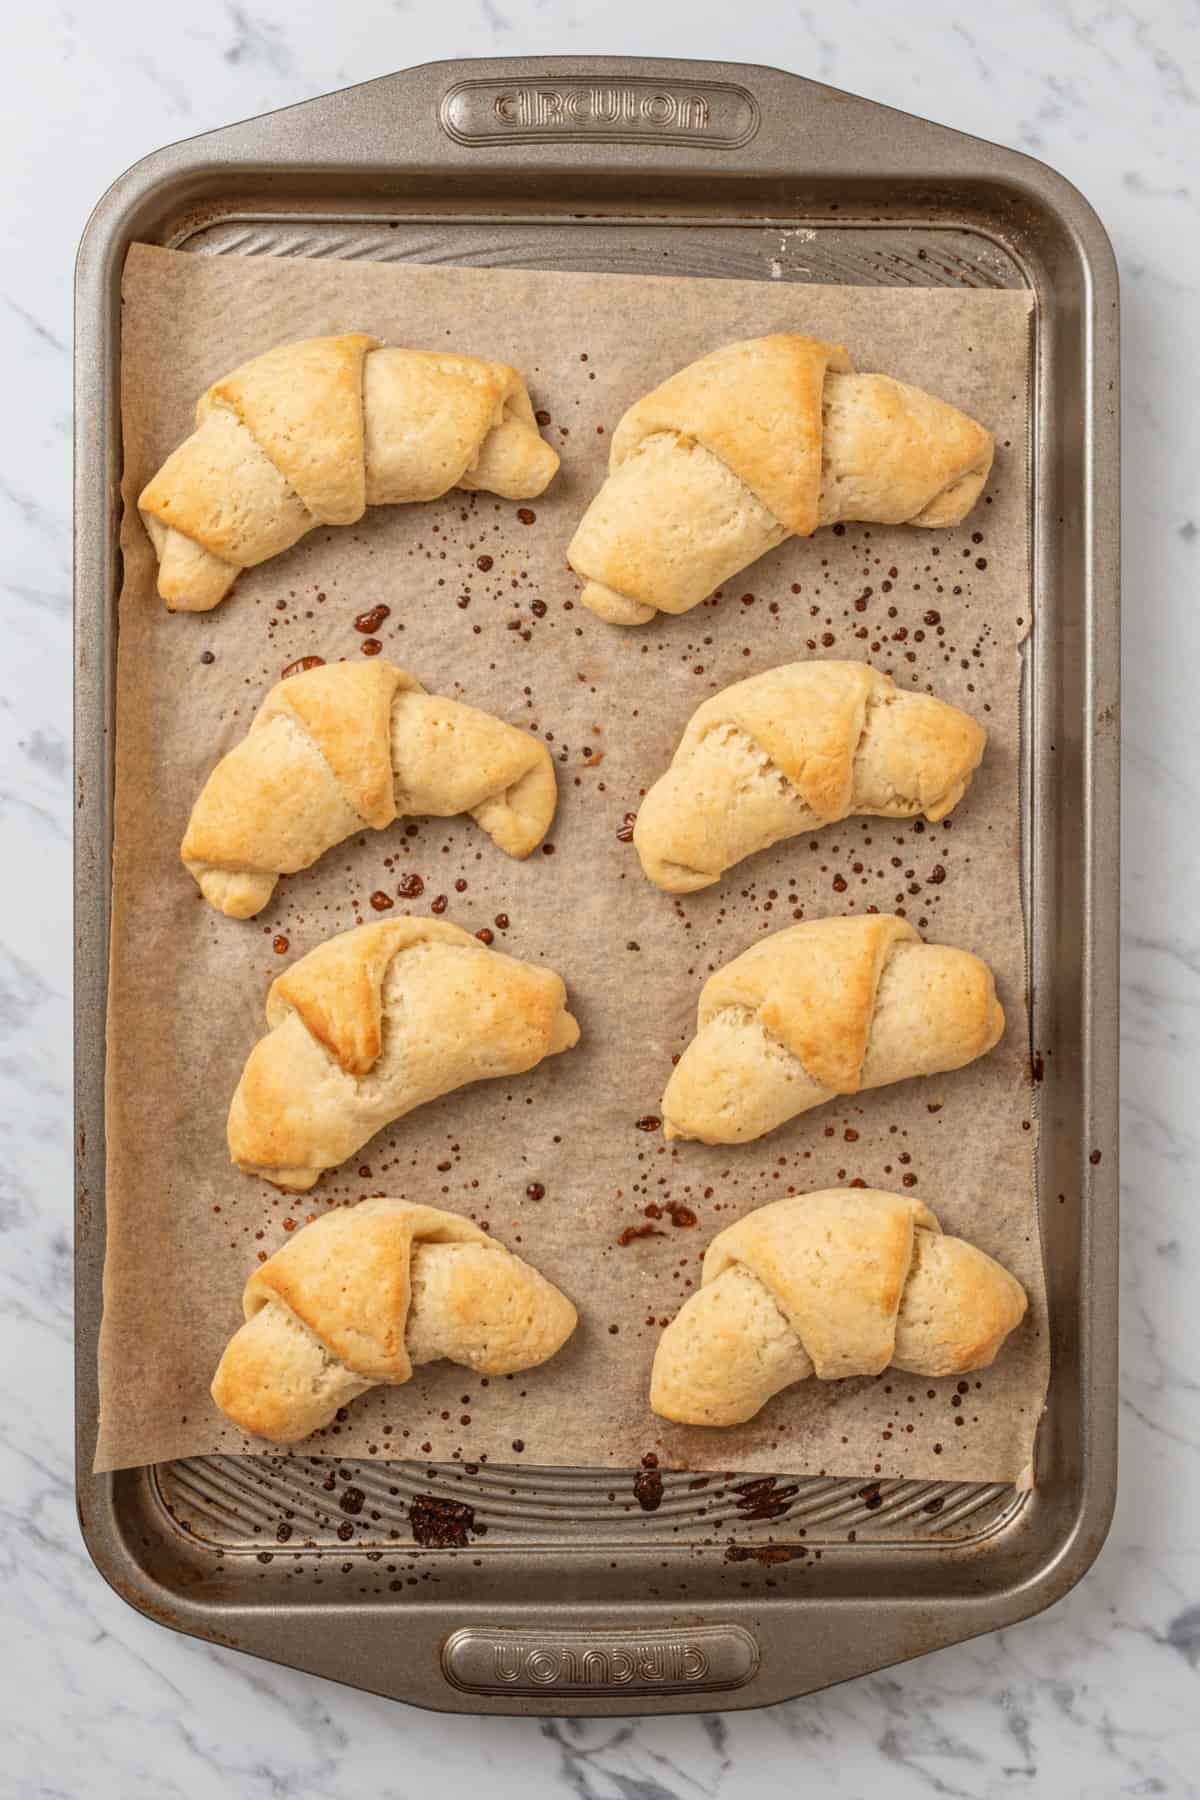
[
  {"x": 604, "y": 1663},
  {"x": 515, "y": 121}
]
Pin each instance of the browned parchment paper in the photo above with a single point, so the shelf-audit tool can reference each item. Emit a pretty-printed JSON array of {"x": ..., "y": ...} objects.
[{"x": 483, "y": 606}]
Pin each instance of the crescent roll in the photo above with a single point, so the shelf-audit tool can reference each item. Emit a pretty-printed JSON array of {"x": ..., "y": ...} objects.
[
  {"x": 352, "y": 746},
  {"x": 793, "y": 749},
  {"x": 850, "y": 1281},
  {"x": 362, "y": 1295},
  {"x": 375, "y": 1022},
  {"x": 828, "y": 1007},
  {"x": 312, "y": 433},
  {"x": 754, "y": 443}
]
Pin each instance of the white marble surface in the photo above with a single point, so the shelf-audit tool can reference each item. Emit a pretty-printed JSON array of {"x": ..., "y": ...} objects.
[{"x": 1102, "y": 1695}]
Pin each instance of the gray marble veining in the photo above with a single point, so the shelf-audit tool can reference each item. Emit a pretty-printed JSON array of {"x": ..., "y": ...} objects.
[{"x": 1100, "y": 1696}]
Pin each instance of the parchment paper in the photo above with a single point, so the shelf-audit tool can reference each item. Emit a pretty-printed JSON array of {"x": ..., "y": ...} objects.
[{"x": 483, "y": 607}]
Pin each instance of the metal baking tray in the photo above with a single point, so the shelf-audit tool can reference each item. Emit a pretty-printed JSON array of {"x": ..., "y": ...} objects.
[{"x": 554, "y": 1591}]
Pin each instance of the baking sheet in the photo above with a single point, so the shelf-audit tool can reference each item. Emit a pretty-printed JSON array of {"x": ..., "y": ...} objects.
[{"x": 187, "y": 986}]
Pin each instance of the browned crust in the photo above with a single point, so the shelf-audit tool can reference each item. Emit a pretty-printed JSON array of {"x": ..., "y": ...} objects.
[
  {"x": 813, "y": 986},
  {"x": 348, "y": 1277},
  {"x": 337, "y": 989},
  {"x": 757, "y": 406}
]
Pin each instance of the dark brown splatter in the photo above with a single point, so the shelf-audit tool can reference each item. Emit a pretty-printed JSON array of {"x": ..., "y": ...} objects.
[
  {"x": 764, "y": 1498},
  {"x": 369, "y": 622},
  {"x": 766, "y": 1554},
  {"x": 648, "y": 1489},
  {"x": 442, "y": 1524},
  {"x": 631, "y": 1234}
]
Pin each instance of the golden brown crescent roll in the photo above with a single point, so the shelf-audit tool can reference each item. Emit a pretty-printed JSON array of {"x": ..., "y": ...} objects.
[
  {"x": 362, "y": 1295},
  {"x": 850, "y": 1281},
  {"x": 375, "y": 1022},
  {"x": 754, "y": 443},
  {"x": 793, "y": 749},
  {"x": 312, "y": 433},
  {"x": 828, "y": 1007},
  {"x": 339, "y": 749}
]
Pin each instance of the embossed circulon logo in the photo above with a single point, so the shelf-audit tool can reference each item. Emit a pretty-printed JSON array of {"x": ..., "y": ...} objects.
[
  {"x": 705, "y": 1658},
  {"x": 712, "y": 113}
]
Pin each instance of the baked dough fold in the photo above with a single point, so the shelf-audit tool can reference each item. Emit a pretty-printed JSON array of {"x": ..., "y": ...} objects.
[
  {"x": 793, "y": 749},
  {"x": 364, "y": 1293},
  {"x": 849, "y": 1281},
  {"x": 375, "y": 1022},
  {"x": 312, "y": 433},
  {"x": 339, "y": 749},
  {"x": 756, "y": 442},
  {"x": 827, "y": 1007}
]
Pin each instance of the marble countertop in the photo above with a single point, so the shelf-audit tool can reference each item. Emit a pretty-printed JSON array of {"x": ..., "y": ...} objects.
[{"x": 1097, "y": 1697}]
